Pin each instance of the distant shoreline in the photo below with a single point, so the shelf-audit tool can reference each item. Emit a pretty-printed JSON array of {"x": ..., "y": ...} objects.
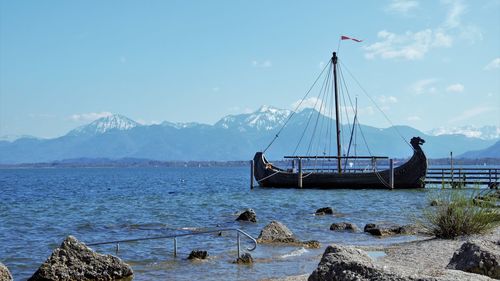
[{"x": 145, "y": 163}]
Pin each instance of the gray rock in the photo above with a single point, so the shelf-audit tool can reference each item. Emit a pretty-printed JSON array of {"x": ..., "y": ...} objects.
[
  {"x": 5, "y": 273},
  {"x": 436, "y": 202},
  {"x": 387, "y": 230},
  {"x": 344, "y": 226},
  {"x": 198, "y": 254},
  {"x": 481, "y": 257},
  {"x": 276, "y": 232},
  {"x": 247, "y": 215},
  {"x": 344, "y": 263},
  {"x": 246, "y": 258},
  {"x": 75, "y": 261},
  {"x": 311, "y": 244},
  {"x": 324, "y": 211}
]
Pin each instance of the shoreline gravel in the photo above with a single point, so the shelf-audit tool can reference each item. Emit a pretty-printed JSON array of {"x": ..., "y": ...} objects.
[{"x": 427, "y": 257}]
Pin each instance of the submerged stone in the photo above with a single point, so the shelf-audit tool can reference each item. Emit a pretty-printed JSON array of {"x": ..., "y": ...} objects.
[
  {"x": 198, "y": 254},
  {"x": 387, "y": 230},
  {"x": 324, "y": 211},
  {"x": 247, "y": 215},
  {"x": 246, "y": 258},
  {"x": 344, "y": 226}
]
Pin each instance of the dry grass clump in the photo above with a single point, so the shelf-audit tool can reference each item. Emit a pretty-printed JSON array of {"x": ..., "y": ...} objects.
[{"x": 459, "y": 214}]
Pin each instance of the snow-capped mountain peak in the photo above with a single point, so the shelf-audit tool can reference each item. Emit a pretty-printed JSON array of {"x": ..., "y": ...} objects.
[
  {"x": 105, "y": 124},
  {"x": 265, "y": 118}
]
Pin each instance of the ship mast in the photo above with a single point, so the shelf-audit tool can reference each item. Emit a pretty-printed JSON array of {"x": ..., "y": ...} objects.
[{"x": 334, "y": 62}]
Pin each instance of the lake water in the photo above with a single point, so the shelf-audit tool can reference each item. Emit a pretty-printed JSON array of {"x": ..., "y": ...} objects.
[{"x": 40, "y": 207}]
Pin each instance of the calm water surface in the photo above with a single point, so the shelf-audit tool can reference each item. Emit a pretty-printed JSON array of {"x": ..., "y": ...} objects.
[{"x": 40, "y": 207}]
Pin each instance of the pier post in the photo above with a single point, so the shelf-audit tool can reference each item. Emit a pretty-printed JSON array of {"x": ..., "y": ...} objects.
[
  {"x": 175, "y": 246},
  {"x": 451, "y": 168},
  {"x": 251, "y": 173},
  {"x": 300, "y": 173},
  {"x": 391, "y": 173}
]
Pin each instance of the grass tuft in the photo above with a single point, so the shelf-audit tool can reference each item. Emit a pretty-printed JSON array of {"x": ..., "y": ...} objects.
[{"x": 459, "y": 214}]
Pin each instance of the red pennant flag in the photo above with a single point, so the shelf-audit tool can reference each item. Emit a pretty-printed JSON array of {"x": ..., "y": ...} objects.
[{"x": 349, "y": 38}]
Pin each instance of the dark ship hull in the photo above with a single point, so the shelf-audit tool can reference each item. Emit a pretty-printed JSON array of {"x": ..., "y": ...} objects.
[{"x": 409, "y": 175}]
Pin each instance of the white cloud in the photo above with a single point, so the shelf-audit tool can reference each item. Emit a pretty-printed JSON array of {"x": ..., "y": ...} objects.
[
  {"x": 215, "y": 89},
  {"x": 409, "y": 46},
  {"x": 455, "y": 88},
  {"x": 473, "y": 112},
  {"x": 387, "y": 99},
  {"x": 262, "y": 64},
  {"x": 453, "y": 18},
  {"x": 402, "y": 6},
  {"x": 91, "y": 116},
  {"x": 312, "y": 102},
  {"x": 494, "y": 64},
  {"x": 424, "y": 86},
  {"x": 412, "y": 45},
  {"x": 413, "y": 118}
]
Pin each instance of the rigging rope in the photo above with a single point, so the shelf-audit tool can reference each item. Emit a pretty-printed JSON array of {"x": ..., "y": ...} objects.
[
  {"x": 325, "y": 83},
  {"x": 293, "y": 112},
  {"x": 373, "y": 101}
]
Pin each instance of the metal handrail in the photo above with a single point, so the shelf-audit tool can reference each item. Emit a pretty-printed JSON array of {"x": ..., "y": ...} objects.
[{"x": 174, "y": 236}]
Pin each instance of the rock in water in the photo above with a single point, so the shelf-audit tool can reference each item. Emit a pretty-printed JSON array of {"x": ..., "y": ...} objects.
[
  {"x": 311, "y": 244},
  {"x": 386, "y": 230},
  {"x": 276, "y": 232},
  {"x": 481, "y": 257},
  {"x": 324, "y": 211},
  {"x": 4, "y": 273},
  {"x": 75, "y": 261},
  {"x": 344, "y": 226},
  {"x": 344, "y": 263},
  {"x": 248, "y": 215},
  {"x": 198, "y": 254},
  {"x": 246, "y": 258}
]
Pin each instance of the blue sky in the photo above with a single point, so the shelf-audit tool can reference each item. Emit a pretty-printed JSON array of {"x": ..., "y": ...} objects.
[{"x": 427, "y": 64}]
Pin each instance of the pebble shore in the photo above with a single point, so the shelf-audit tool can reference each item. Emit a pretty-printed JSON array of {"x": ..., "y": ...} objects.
[{"x": 427, "y": 257}]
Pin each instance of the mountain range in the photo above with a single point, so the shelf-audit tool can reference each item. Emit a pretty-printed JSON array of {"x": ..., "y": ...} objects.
[{"x": 234, "y": 137}]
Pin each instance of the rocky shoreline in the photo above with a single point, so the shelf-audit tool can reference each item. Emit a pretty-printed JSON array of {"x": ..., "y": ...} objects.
[
  {"x": 474, "y": 257},
  {"x": 428, "y": 259}
]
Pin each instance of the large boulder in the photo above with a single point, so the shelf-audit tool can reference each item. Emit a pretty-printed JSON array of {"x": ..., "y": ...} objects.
[
  {"x": 481, "y": 257},
  {"x": 345, "y": 263},
  {"x": 276, "y": 232},
  {"x": 73, "y": 260},
  {"x": 247, "y": 215},
  {"x": 5, "y": 273}
]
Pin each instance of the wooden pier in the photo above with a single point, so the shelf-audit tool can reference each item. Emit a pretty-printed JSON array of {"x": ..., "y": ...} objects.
[{"x": 459, "y": 177}]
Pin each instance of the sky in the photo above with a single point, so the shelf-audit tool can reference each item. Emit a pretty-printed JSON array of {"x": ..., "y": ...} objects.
[{"x": 426, "y": 64}]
